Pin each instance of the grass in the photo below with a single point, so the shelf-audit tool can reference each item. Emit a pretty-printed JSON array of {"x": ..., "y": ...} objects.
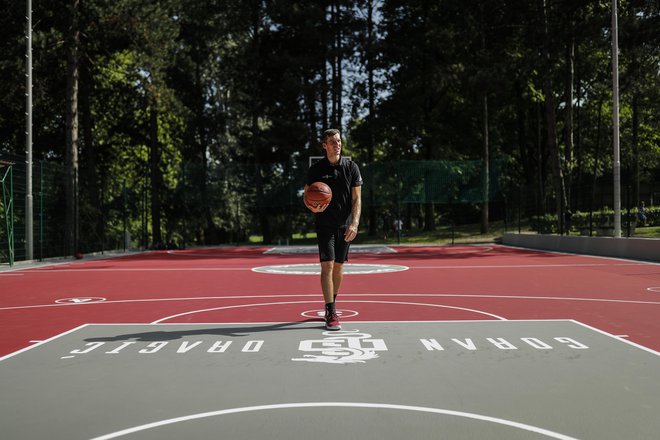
[
  {"x": 444, "y": 234},
  {"x": 648, "y": 232}
]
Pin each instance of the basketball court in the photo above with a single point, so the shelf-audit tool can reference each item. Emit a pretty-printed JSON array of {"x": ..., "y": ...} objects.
[{"x": 481, "y": 341}]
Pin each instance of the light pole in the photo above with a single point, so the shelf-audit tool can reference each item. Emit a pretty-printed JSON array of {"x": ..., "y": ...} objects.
[
  {"x": 615, "y": 122},
  {"x": 29, "y": 242}
]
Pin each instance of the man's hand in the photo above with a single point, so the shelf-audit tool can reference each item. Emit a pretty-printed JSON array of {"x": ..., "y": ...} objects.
[
  {"x": 351, "y": 232},
  {"x": 315, "y": 209},
  {"x": 318, "y": 208}
]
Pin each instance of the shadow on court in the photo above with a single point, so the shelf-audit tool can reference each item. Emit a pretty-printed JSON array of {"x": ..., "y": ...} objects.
[
  {"x": 459, "y": 252},
  {"x": 225, "y": 331}
]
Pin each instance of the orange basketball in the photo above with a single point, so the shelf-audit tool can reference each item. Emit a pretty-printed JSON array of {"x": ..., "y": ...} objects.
[{"x": 318, "y": 193}]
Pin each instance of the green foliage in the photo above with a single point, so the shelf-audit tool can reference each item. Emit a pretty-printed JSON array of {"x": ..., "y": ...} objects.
[
  {"x": 598, "y": 221},
  {"x": 241, "y": 90}
]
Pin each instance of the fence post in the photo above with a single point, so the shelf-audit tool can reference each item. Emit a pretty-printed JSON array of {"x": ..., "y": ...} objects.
[
  {"x": 519, "y": 206},
  {"x": 123, "y": 237},
  {"x": 41, "y": 210},
  {"x": 8, "y": 194},
  {"x": 628, "y": 211}
]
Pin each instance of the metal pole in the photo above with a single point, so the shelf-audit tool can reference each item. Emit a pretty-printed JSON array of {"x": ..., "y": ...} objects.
[
  {"x": 29, "y": 239},
  {"x": 615, "y": 122},
  {"x": 124, "y": 214},
  {"x": 41, "y": 210}
]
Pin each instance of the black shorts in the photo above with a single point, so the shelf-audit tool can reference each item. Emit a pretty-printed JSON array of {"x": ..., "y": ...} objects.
[{"x": 332, "y": 246}]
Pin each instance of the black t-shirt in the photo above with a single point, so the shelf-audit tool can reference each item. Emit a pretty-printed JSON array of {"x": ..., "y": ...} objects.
[{"x": 341, "y": 178}]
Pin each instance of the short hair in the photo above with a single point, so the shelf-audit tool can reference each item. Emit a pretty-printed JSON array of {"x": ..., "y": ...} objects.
[{"x": 329, "y": 133}]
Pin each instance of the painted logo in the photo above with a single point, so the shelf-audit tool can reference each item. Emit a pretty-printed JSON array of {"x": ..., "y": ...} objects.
[{"x": 341, "y": 347}]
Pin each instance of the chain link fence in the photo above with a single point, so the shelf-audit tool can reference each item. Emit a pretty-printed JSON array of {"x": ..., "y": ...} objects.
[{"x": 237, "y": 203}]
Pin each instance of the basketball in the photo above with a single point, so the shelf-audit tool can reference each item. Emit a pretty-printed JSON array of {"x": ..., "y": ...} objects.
[{"x": 317, "y": 194}]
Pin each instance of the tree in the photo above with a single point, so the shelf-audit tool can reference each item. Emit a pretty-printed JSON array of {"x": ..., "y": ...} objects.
[{"x": 71, "y": 152}]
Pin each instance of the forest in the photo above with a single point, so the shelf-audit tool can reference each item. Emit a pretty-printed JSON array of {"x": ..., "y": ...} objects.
[{"x": 193, "y": 121}]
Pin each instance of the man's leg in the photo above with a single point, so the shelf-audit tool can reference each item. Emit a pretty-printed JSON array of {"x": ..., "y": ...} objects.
[
  {"x": 326, "y": 240},
  {"x": 327, "y": 281},
  {"x": 341, "y": 257},
  {"x": 328, "y": 287},
  {"x": 337, "y": 277}
]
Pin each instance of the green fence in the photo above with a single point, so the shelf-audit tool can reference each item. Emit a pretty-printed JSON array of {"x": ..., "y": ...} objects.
[
  {"x": 235, "y": 202},
  {"x": 7, "y": 213}
]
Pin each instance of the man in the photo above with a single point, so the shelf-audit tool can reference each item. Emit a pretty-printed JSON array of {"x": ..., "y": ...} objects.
[
  {"x": 336, "y": 222},
  {"x": 642, "y": 213}
]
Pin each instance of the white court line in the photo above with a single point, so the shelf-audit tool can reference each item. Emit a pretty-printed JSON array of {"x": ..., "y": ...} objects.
[
  {"x": 349, "y": 269},
  {"x": 573, "y": 254},
  {"x": 192, "y": 312},
  {"x": 440, "y": 411},
  {"x": 527, "y": 266},
  {"x": 220, "y": 269},
  {"x": 429, "y": 295},
  {"x": 459, "y": 321},
  {"x": 469, "y": 251},
  {"x": 42, "y": 342},
  {"x": 11, "y": 271},
  {"x": 139, "y": 269},
  {"x": 54, "y": 266},
  {"x": 617, "y": 338}
]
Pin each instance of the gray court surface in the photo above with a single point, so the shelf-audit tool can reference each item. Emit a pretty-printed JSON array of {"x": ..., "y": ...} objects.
[{"x": 413, "y": 380}]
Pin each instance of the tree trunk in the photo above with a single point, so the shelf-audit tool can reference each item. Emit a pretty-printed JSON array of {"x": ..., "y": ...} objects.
[
  {"x": 324, "y": 94},
  {"x": 71, "y": 154},
  {"x": 635, "y": 148},
  {"x": 202, "y": 150},
  {"x": 336, "y": 63},
  {"x": 486, "y": 167},
  {"x": 373, "y": 226},
  {"x": 599, "y": 132},
  {"x": 634, "y": 72},
  {"x": 264, "y": 219},
  {"x": 340, "y": 75},
  {"x": 156, "y": 174},
  {"x": 568, "y": 91},
  {"x": 540, "y": 160},
  {"x": 553, "y": 150},
  {"x": 524, "y": 149},
  {"x": 429, "y": 210},
  {"x": 91, "y": 172},
  {"x": 578, "y": 138},
  {"x": 310, "y": 103},
  {"x": 568, "y": 116},
  {"x": 484, "y": 136},
  {"x": 551, "y": 123}
]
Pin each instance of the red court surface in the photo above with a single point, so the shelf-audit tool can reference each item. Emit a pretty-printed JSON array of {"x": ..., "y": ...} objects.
[{"x": 442, "y": 283}]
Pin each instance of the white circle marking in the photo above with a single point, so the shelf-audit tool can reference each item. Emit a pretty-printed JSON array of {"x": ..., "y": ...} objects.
[
  {"x": 192, "y": 312},
  {"x": 441, "y": 411},
  {"x": 315, "y": 269}
]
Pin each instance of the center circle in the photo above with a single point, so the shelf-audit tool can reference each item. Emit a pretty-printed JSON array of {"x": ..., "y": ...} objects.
[{"x": 315, "y": 269}]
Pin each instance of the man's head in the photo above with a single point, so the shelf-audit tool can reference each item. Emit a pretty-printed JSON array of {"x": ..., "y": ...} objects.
[
  {"x": 329, "y": 133},
  {"x": 331, "y": 142}
]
